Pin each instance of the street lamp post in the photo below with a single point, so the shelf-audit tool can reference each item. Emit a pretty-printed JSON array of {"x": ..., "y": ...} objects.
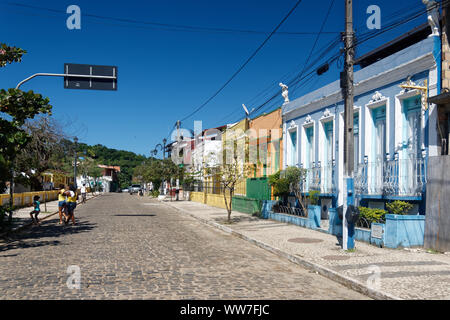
[
  {"x": 75, "y": 163},
  {"x": 164, "y": 148}
]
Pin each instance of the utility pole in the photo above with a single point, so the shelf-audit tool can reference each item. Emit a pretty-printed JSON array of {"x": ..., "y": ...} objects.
[{"x": 347, "y": 89}]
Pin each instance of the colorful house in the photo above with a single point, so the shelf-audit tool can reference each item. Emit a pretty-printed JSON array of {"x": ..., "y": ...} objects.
[
  {"x": 265, "y": 143},
  {"x": 394, "y": 127}
]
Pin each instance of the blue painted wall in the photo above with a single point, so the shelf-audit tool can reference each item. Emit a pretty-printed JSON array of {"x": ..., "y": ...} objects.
[
  {"x": 399, "y": 231},
  {"x": 404, "y": 231}
]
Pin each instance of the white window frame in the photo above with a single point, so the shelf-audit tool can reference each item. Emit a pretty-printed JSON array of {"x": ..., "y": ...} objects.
[
  {"x": 369, "y": 126},
  {"x": 304, "y": 141},
  {"x": 398, "y": 135},
  {"x": 292, "y": 127},
  {"x": 325, "y": 119}
]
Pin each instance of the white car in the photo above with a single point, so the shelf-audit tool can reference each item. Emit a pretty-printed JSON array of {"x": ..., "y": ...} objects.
[
  {"x": 124, "y": 190},
  {"x": 135, "y": 188}
]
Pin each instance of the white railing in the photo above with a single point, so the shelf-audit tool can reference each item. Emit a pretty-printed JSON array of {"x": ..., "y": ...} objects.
[
  {"x": 405, "y": 177},
  {"x": 320, "y": 178},
  {"x": 327, "y": 179}
]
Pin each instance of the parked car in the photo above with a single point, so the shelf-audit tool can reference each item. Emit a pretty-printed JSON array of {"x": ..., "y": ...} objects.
[
  {"x": 125, "y": 190},
  {"x": 135, "y": 188}
]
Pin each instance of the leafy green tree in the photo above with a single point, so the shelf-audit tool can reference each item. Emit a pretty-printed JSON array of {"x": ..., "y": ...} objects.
[
  {"x": 229, "y": 174},
  {"x": 18, "y": 106},
  {"x": 10, "y": 54},
  {"x": 296, "y": 177},
  {"x": 280, "y": 185}
]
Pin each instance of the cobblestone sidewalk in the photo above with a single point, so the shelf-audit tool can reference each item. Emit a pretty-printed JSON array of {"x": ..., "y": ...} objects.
[{"x": 378, "y": 272}]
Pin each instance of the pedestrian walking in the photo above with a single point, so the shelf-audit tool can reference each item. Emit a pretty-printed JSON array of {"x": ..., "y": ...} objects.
[
  {"x": 83, "y": 193},
  {"x": 61, "y": 201},
  {"x": 72, "y": 198},
  {"x": 36, "y": 211}
]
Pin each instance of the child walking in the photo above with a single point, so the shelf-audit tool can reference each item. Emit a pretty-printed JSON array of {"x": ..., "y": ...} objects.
[{"x": 36, "y": 211}]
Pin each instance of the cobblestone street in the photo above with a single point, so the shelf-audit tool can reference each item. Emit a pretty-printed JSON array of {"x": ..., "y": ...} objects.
[{"x": 130, "y": 247}]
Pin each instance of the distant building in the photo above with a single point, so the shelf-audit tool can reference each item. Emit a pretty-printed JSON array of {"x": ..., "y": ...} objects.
[{"x": 109, "y": 182}]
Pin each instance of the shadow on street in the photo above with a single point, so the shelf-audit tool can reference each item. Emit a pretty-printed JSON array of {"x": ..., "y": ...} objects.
[
  {"x": 135, "y": 215},
  {"x": 33, "y": 236}
]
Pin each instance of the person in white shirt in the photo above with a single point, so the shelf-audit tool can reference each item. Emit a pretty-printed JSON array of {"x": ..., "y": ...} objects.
[{"x": 83, "y": 193}]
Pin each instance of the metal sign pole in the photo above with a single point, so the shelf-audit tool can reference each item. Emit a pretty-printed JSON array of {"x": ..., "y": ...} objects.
[{"x": 64, "y": 75}]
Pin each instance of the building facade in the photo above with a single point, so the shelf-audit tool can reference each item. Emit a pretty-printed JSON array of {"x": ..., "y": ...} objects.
[
  {"x": 394, "y": 128},
  {"x": 265, "y": 143}
]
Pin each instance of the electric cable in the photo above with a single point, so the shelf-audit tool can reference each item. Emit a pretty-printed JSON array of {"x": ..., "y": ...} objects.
[
  {"x": 166, "y": 26},
  {"x": 245, "y": 63},
  {"x": 367, "y": 36}
]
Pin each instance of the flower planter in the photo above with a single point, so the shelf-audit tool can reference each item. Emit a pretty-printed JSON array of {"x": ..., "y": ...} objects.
[{"x": 404, "y": 231}]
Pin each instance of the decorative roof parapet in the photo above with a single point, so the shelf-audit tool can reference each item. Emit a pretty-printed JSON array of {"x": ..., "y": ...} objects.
[
  {"x": 326, "y": 114},
  {"x": 377, "y": 97},
  {"x": 292, "y": 125},
  {"x": 308, "y": 119}
]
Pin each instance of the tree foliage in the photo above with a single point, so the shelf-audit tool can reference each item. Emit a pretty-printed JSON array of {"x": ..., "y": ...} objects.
[
  {"x": 229, "y": 174},
  {"x": 156, "y": 171},
  {"x": 40, "y": 153},
  {"x": 10, "y": 54},
  {"x": 280, "y": 185},
  {"x": 290, "y": 181},
  {"x": 296, "y": 178},
  {"x": 16, "y": 107}
]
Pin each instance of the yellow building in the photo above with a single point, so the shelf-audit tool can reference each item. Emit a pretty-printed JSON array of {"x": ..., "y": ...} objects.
[{"x": 235, "y": 143}]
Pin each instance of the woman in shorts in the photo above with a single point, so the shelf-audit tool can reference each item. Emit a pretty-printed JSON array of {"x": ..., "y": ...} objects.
[
  {"x": 61, "y": 201},
  {"x": 72, "y": 197}
]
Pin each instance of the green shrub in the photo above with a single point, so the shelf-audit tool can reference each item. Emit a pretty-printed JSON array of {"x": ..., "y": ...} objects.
[
  {"x": 155, "y": 193},
  {"x": 280, "y": 185},
  {"x": 314, "y": 197},
  {"x": 399, "y": 207},
  {"x": 372, "y": 215}
]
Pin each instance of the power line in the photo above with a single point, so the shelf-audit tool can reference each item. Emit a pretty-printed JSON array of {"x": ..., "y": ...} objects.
[
  {"x": 245, "y": 63},
  {"x": 391, "y": 25},
  {"x": 317, "y": 37},
  {"x": 365, "y": 37},
  {"x": 304, "y": 66},
  {"x": 167, "y": 26}
]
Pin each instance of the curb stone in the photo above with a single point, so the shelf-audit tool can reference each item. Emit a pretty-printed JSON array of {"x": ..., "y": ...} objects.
[{"x": 326, "y": 272}]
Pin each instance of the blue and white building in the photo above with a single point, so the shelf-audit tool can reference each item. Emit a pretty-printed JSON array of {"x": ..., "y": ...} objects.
[{"x": 394, "y": 128}]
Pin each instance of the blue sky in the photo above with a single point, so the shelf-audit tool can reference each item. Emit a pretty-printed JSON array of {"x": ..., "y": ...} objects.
[{"x": 164, "y": 74}]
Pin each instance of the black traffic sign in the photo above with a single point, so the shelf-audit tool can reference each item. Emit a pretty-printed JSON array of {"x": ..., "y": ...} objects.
[{"x": 90, "y": 77}]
